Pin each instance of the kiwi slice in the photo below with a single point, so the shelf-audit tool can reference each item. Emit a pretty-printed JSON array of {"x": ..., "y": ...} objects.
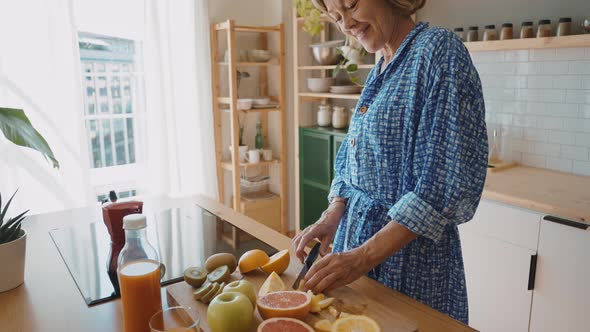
[
  {"x": 195, "y": 276},
  {"x": 204, "y": 289},
  {"x": 211, "y": 294},
  {"x": 221, "y": 286},
  {"x": 220, "y": 274}
]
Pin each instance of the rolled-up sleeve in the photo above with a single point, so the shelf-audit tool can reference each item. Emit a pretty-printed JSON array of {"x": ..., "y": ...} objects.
[
  {"x": 451, "y": 147},
  {"x": 339, "y": 186}
]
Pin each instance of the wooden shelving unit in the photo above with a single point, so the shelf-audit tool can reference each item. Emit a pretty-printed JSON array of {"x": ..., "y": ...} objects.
[
  {"x": 229, "y": 105},
  {"x": 530, "y": 43}
]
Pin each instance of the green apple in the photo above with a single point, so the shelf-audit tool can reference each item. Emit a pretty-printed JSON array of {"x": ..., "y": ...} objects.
[
  {"x": 242, "y": 286},
  {"x": 231, "y": 311}
]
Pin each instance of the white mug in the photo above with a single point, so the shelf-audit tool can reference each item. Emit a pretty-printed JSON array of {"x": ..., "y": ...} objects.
[
  {"x": 253, "y": 156},
  {"x": 242, "y": 152},
  {"x": 267, "y": 155}
]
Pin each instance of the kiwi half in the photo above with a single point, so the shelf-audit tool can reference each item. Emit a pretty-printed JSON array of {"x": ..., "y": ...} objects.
[
  {"x": 220, "y": 274},
  {"x": 217, "y": 260},
  {"x": 195, "y": 276}
]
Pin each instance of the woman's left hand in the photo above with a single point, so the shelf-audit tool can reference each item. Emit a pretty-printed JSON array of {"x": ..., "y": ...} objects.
[{"x": 337, "y": 270}]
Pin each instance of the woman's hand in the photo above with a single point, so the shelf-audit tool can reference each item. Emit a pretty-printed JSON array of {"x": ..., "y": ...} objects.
[
  {"x": 324, "y": 230},
  {"x": 337, "y": 270}
]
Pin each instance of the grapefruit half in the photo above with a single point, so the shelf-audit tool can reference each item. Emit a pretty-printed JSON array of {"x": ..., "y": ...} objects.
[
  {"x": 291, "y": 304},
  {"x": 278, "y": 262},
  {"x": 282, "y": 324},
  {"x": 251, "y": 260}
]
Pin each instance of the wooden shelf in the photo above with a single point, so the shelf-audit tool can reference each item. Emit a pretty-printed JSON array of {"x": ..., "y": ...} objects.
[
  {"x": 251, "y": 64},
  {"x": 228, "y": 165},
  {"x": 364, "y": 66},
  {"x": 329, "y": 95},
  {"x": 256, "y": 110},
  {"x": 323, "y": 18},
  {"x": 246, "y": 28},
  {"x": 530, "y": 43}
]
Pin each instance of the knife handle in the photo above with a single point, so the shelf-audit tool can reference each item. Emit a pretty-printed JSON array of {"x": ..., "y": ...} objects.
[{"x": 313, "y": 254}]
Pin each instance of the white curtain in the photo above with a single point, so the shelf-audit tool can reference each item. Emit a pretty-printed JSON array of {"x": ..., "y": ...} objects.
[
  {"x": 178, "y": 95},
  {"x": 40, "y": 72}
]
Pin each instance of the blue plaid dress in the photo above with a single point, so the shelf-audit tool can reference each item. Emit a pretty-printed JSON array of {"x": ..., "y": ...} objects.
[{"x": 416, "y": 153}]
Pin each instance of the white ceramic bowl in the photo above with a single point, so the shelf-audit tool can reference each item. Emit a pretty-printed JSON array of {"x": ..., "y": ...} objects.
[
  {"x": 259, "y": 55},
  {"x": 261, "y": 101},
  {"x": 320, "y": 84},
  {"x": 244, "y": 104}
]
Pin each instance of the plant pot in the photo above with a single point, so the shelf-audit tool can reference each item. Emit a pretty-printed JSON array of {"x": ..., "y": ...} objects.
[{"x": 12, "y": 263}]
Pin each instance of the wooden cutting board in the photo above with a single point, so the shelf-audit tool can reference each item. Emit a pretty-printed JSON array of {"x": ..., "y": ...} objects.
[{"x": 347, "y": 300}]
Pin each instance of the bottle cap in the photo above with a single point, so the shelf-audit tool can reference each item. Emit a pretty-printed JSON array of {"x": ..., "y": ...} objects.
[
  {"x": 565, "y": 20},
  {"x": 543, "y": 22},
  {"x": 507, "y": 25},
  {"x": 134, "y": 221},
  {"x": 458, "y": 29},
  {"x": 473, "y": 28},
  {"x": 527, "y": 24},
  {"x": 491, "y": 26}
]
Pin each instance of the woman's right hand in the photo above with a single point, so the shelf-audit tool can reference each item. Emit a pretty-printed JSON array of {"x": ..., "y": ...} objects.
[{"x": 324, "y": 230}]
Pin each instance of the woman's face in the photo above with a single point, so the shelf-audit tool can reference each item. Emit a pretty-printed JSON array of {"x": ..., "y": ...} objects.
[{"x": 371, "y": 22}]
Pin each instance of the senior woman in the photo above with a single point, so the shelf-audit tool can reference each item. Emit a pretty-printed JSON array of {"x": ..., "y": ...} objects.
[{"x": 412, "y": 166}]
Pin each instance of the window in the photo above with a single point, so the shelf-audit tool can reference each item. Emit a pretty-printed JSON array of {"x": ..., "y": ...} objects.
[
  {"x": 120, "y": 194},
  {"x": 112, "y": 89}
]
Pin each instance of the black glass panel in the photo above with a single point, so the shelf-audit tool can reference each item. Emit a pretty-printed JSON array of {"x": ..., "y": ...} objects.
[{"x": 183, "y": 237}]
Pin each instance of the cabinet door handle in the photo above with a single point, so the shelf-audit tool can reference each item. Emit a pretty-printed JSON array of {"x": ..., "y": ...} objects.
[
  {"x": 567, "y": 222},
  {"x": 532, "y": 272}
]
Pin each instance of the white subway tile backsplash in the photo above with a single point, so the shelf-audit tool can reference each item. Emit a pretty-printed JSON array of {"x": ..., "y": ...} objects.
[
  {"x": 542, "y": 54},
  {"x": 570, "y": 54},
  {"x": 582, "y": 139},
  {"x": 561, "y": 137},
  {"x": 534, "y": 134},
  {"x": 542, "y": 98},
  {"x": 516, "y": 56},
  {"x": 567, "y": 82},
  {"x": 553, "y": 95},
  {"x": 579, "y": 67},
  {"x": 549, "y": 122},
  {"x": 540, "y": 82},
  {"x": 534, "y": 160},
  {"x": 574, "y": 152},
  {"x": 578, "y": 96},
  {"x": 560, "y": 165},
  {"x": 582, "y": 167}
]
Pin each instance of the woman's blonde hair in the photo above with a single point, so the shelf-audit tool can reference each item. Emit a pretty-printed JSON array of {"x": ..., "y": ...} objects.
[{"x": 405, "y": 7}]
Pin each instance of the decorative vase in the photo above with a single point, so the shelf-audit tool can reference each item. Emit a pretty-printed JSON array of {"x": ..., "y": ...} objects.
[{"x": 12, "y": 260}]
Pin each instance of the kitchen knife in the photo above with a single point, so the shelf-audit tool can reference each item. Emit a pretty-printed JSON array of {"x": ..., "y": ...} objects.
[{"x": 313, "y": 254}]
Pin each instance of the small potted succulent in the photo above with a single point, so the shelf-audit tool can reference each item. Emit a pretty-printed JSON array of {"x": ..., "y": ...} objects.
[
  {"x": 13, "y": 241},
  {"x": 17, "y": 128}
]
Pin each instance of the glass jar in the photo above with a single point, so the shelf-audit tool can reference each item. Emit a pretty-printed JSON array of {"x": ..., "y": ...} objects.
[
  {"x": 490, "y": 33},
  {"x": 527, "y": 30},
  {"x": 564, "y": 28},
  {"x": 544, "y": 29},
  {"x": 507, "y": 31},
  {"x": 473, "y": 34},
  {"x": 324, "y": 116},
  {"x": 460, "y": 33},
  {"x": 339, "y": 118}
]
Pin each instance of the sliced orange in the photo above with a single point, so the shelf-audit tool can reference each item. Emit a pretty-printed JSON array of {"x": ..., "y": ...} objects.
[
  {"x": 251, "y": 260},
  {"x": 354, "y": 323},
  {"x": 283, "y": 325},
  {"x": 278, "y": 262},
  {"x": 273, "y": 283},
  {"x": 291, "y": 304},
  {"x": 326, "y": 302}
]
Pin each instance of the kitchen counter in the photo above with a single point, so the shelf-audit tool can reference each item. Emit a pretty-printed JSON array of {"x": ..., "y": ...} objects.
[
  {"x": 553, "y": 193},
  {"x": 50, "y": 301}
]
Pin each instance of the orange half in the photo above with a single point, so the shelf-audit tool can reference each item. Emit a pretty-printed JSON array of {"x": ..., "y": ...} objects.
[
  {"x": 278, "y": 262},
  {"x": 251, "y": 260}
]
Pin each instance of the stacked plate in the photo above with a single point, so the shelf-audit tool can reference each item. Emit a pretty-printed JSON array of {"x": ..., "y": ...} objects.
[{"x": 346, "y": 89}]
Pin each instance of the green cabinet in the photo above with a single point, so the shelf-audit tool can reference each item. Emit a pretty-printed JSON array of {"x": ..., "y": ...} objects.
[{"x": 317, "y": 151}]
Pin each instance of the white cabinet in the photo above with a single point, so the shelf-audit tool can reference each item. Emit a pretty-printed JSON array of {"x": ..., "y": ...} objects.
[
  {"x": 497, "y": 248},
  {"x": 561, "y": 299}
]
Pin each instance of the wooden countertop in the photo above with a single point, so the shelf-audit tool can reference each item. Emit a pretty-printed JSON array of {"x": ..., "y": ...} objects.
[
  {"x": 554, "y": 193},
  {"x": 50, "y": 301}
]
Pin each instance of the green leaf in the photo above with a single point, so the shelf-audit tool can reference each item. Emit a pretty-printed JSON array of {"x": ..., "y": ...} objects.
[
  {"x": 16, "y": 220},
  {"x": 3, "y": 213},
  {"x": 352, "y": 68},
  {"x": 18, "y": 129},
  {"x": 336, "y": 70}
]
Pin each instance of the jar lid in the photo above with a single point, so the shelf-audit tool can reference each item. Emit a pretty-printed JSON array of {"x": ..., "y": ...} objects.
[
  {"x": 458, "y": 29},
  {"x": 507, "y": 25},
  {"x": 565, "y": 20},
  {"x": 491, "y": 26},
  {"x": 527, "y": 24},
  {"x": 544, "y": 21},
  {"x": 473, "y": 28},
  {"x": 134, "y": 221}
]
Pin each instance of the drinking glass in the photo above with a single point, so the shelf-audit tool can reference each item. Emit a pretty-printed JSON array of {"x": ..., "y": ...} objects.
[{"x": 173, "y": 319}]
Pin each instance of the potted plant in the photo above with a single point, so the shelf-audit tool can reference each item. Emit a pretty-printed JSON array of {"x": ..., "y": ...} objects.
[
  {"x": 312, "y": 16},
  {"x": 353, "y": 54},
  {"x": 17, "y": 128}
]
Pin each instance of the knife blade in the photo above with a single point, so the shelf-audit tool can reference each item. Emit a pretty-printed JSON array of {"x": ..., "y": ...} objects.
[{"x": 313, "y": 254}]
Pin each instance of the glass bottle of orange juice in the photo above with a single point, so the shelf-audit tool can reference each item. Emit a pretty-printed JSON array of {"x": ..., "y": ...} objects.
[{"x": 139, "y": 276}]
